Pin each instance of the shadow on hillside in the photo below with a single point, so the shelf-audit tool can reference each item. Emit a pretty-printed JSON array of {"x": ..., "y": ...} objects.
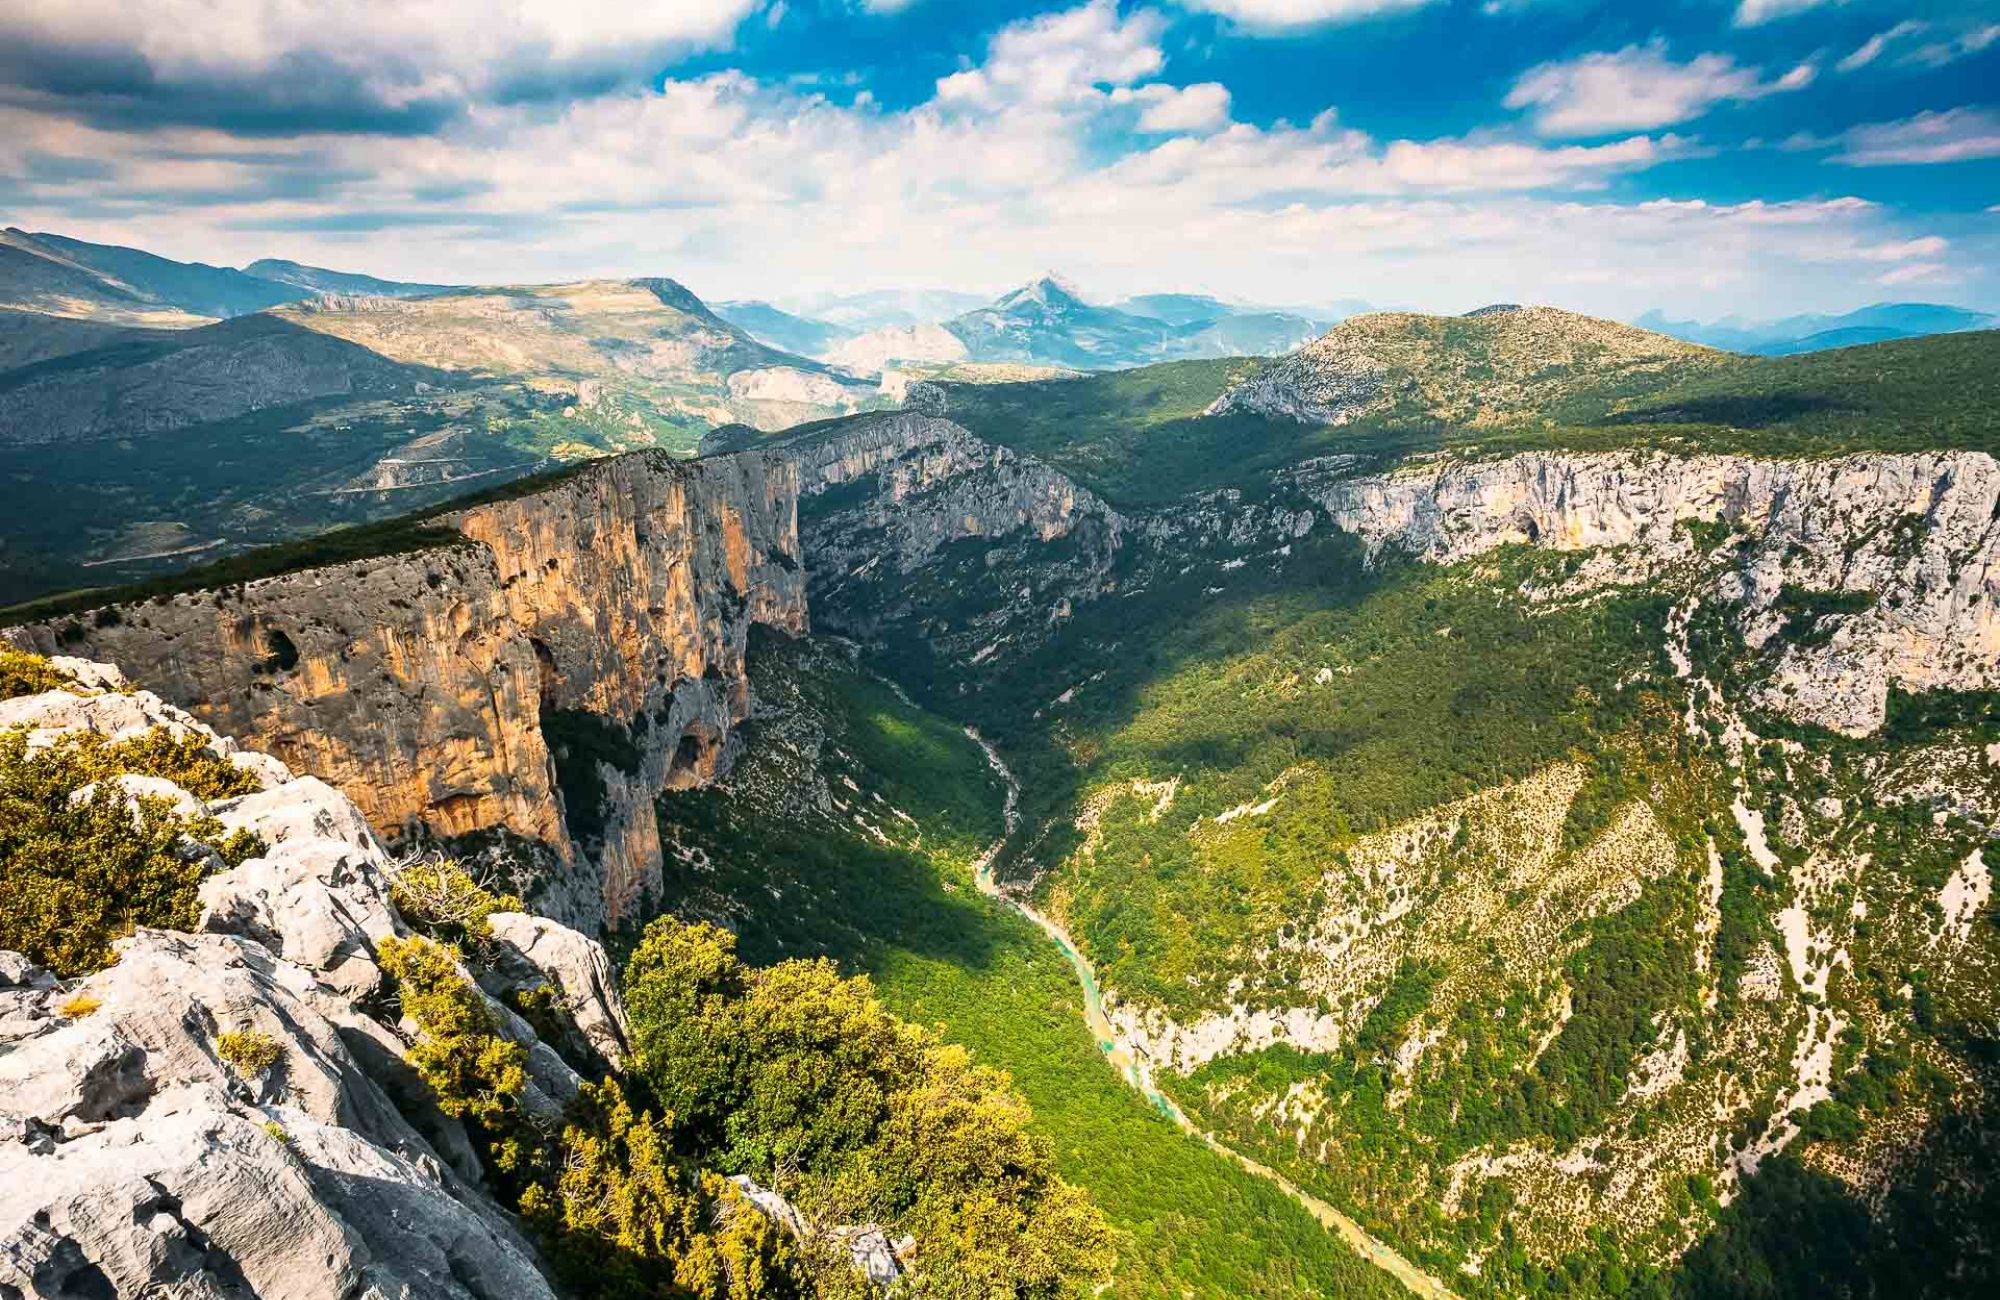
[
  {"x": 1736, "y": 412},
  {"x": 1795, "y": 1231}
]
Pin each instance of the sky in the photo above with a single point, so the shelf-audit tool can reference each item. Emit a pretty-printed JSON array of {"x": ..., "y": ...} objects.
[{"x": 1705, "y": 158}]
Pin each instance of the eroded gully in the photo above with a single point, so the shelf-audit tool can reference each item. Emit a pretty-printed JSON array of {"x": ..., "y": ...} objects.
[{"x": 1132, "y": 1065}]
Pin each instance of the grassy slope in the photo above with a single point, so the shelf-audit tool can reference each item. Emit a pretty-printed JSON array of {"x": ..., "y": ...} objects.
[
  {"x": 798, "y": 882},
  {"x": 1136, "y": 437}
]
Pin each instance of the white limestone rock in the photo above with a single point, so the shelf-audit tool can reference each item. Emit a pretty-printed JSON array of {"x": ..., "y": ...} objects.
[
  {"x": 321, "y": 903},
  {"x": 135, "y": 788},
  {"x": 305, "y": 808},
  {"x": 533, "y": 950},
  {"x": 133, "y": 1161},
  {"x": 1920, "y": 532}
]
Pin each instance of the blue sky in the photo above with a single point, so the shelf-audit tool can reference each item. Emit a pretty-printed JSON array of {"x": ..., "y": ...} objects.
[{"x": 1705, "y": 157}]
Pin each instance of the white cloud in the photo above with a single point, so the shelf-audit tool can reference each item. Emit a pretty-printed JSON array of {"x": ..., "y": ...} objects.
[
  {"x": 1200, "y": 107},
  {"x": 1026, "y": 159},
  {"x": 1903, "y": 250},
  {"x": 388, "y": 53},
  {"x": 1638, "y": 88},
  {"x": 1062, "y": 58},
  {"x": 1290, "y": 15},
  {"x": 1954, "y": 135},
  {"x": 1751, "y": 13},
  {"x": 1915, "y": 273},
  {"x": 1871, "y": 49},
  {"x": 1947, "y": 49}
]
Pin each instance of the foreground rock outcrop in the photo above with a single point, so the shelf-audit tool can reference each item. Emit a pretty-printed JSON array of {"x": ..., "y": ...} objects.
[
  {"x": 137, "y": 1159},
  {"x": 418, "y": 682}
]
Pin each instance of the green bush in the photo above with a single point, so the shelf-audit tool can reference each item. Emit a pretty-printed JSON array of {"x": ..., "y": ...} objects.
[
  {"x": 75, "y": 875},
  {"x": 624, "y": 1210},
  {"x": 24, "y": 674},
  {"x": 800, "y": 1079},
  {"x": 629, "y": 1217},
  {"x": 252, "y": 1053}
]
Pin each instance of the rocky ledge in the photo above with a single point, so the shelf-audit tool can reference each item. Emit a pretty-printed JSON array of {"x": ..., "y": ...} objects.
[{"x": 135, "y": 1159}]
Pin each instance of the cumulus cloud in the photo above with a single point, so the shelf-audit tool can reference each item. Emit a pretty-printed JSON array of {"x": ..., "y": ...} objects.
[
  {"x": 1061, "y": 58},
  {"x": 377, "y": 60},
  {"x": 1200, "y": 107},
  {"x": 1638, "y": 88},
  {"x": 1027, "y": 157},
  {"x": 1290, "y": 15},
  {"x": 1954, "y": 135}
]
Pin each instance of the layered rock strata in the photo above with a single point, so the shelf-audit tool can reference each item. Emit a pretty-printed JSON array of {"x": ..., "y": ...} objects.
[
  {"x": 418, "y": 682},
  {"x": 1911, "y": 541}
]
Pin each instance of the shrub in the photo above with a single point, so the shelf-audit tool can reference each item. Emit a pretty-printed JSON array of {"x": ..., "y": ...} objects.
[
  {"x": 277, "y": 1131},
  {"x": 441, "y": 899},
  {"x": 22, "y": 673},
  {"x": 185, "y": 760},
  {"x": 802, "y": 1080},
  {"x": 79, "y": 1005},
  {"x": 252, "y": 1053},
  {"x": 476, "y": 1074},
  {"x": 629, "y": 1217},
  {"x": 77, "y": 875}
]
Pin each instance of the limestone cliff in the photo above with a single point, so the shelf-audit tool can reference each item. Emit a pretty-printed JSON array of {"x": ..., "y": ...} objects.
[
  {"x": 419, "y": 682},
  {"x": 903, "y": 515},
  {"x": 1912, "y": 540},
  {"x": 134, "y": 1160}
]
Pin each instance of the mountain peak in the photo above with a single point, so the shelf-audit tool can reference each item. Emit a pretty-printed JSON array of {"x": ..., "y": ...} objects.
[{"x": 1048, "y": 290}]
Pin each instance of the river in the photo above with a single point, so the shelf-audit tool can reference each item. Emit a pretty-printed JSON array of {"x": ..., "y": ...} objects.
[{"x": 1133, "y": 1067}]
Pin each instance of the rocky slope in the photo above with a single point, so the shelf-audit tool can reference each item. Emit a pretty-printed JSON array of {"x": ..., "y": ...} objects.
[
  {"x": 1801, "y": 902},
  {"x": 1489, "y": 368},
  {"x": 136, "y": 1160},
  {"x": 617, "y": 599},
  {"x": 142, "y": 384},
  {"x": 899, "y": 514},
  {"x": 651, "y": 338},
  {"x": 1913, "y": 540}
]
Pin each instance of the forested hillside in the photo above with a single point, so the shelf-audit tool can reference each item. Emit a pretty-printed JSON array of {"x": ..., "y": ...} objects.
[{"x": 1563, "y": 845}]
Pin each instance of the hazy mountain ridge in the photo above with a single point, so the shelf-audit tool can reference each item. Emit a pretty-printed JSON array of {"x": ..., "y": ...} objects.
[
  {"x": 72, "y": 277},
  {"x": 1876, "y": 323},
  {"x": 334, "y": 407}
]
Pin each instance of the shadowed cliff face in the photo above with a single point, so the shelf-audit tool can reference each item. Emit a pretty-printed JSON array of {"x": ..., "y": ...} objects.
[{"x": 420, "y": 682}]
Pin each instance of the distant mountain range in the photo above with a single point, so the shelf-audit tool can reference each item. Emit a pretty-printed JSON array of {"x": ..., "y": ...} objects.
[
  {"x": 60, "y": 276},
  {"x": 158, "y": 410},
  {"x": 1878, "y": 323},
  {"x": 1045, "y": 323}
]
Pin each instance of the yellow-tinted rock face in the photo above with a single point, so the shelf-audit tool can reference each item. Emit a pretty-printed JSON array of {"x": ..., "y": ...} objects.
[{"x": 417, "y": 683}]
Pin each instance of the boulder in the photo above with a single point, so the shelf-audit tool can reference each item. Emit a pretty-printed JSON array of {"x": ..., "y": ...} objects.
[
  {"x": 135, "y": 1161},
  {"x": 322, "y": 903},
  {"x": 303, "y": 809},
  {"x": 135, "y": 788},
  {"x": 115, "y": 716},
  {"x": 533, "y": 951}
]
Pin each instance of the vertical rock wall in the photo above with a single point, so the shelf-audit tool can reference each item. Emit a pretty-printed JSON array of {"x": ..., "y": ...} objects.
[{"x": 418, "y": 682}]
